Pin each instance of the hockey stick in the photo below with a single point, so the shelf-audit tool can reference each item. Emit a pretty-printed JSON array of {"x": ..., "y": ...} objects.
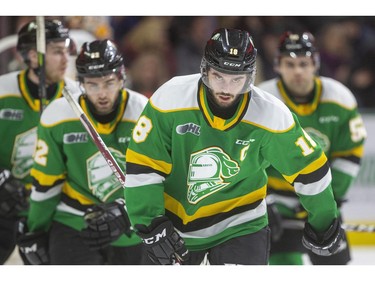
[
  {"x": 41, "y": 50},
  {"x": 299, "y": 225},
  {"x": 95, "y": 137}
]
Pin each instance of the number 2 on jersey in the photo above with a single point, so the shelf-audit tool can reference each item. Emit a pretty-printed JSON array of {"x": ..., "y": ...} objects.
[{"x": 41, "y": 153}]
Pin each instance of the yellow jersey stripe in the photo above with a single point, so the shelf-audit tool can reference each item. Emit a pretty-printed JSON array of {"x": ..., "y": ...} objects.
[
  {"x": 309, "y": 169},
  {"x": 140, "y": 159},
  {"x": 176, "y": 207},
  {"x": 45, "y": 180}
]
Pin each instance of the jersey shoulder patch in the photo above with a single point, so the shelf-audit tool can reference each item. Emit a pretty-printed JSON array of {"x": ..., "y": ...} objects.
[
  {"x": 268, "y": 112},
  {"x": 336, "y": 92},
  {"x": 179, "y": 93},
  {"x": 9, "y": 84},
  {"x": 135, "y": 106},
  {"x": 59, "y": 111},
  {"x": 269, "y": 86}
]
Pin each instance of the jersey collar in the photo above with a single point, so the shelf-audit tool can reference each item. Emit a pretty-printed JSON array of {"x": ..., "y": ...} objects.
[
  {"x": 302, "y": 109},
  {"x": 217, "y": 122},
  {"x": 30, "y": 100},
  {"x": 106, "y": 128}
]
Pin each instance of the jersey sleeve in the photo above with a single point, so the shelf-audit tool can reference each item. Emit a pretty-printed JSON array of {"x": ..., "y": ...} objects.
[
  {"x": 302, "y": 162},
  {"x": 48, "y": 174},
  {"x": 347, "y": 152},
  {"x": 148, "y": 162}
]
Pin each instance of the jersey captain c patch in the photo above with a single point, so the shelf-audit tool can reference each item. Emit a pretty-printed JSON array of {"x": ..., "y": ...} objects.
[{"x": 208, "y": 170}]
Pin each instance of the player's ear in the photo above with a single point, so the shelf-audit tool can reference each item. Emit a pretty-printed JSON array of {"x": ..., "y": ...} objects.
[{"x": 33, "y": 58}]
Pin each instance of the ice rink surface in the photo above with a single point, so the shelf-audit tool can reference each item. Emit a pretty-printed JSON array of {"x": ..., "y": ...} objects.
[
  {"x": 362, "y": 267},
  {"x": 361, "y": 255}
]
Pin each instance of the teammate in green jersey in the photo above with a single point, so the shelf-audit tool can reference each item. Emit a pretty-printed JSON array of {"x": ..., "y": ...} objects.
[
  {"x": 196, "y": 181},
  {"x": 76, "y": 198},
  {"x": 327, "y": 111},
  {"x": 19, "y": 117}
]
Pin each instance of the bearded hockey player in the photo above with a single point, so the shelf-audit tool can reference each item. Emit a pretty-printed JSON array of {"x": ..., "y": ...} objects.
[
  {"x": 196, "y": 181},
  {"x": 76, "y": 199}
]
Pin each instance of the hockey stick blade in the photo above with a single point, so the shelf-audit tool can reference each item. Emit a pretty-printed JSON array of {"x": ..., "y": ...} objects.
[{"x": 111, "y": 162}]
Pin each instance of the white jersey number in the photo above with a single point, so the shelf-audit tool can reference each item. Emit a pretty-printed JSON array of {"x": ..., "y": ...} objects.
[
  {"x": 306, "y": 143},
  {"x": 357, "y": 129},
  {"x": 142, "y": 129},
  {"x": 41, "y": 153}
]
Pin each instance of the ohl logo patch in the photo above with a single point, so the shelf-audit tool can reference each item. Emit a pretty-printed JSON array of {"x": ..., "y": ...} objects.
[
  {"x": 75, "y": 138},
  {"x": 11, "y": 114},
  {"x": 188, "y": 128}
]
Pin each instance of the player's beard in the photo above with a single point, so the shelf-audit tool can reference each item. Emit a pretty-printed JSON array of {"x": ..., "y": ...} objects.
[{"x": 224, "y": 100}]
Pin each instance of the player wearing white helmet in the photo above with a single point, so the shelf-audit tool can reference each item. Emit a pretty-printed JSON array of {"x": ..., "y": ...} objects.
[{"x": 196, "y": 181}]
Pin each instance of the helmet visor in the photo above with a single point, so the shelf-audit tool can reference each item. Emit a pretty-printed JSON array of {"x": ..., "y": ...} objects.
[{"x": 224, "y": 80}]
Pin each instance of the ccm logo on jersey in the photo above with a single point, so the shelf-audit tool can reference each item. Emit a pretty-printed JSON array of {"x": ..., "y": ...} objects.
[
  {"x": 155, "y": 238},
  {"x": 75, "y": 138},
  {"x": 244, "y": 142},
  {"x": 328, "y": 119},
  {"x": 124, "y": 139}
]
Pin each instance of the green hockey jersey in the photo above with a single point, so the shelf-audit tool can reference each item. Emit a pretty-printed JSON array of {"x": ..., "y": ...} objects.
[
  {"x": 333, "y": 121},
  {"x": 19, "y": 118},
  {"x": 70, "y": 174},
  {"x": 207, "y": 174}
]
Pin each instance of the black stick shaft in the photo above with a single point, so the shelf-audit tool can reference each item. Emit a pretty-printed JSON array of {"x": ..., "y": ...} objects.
[
  {"x": 111, "y": 162},
  {"x": 41, "y": 50}
]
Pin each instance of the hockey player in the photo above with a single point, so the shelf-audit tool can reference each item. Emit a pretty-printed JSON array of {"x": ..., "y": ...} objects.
[
  {"x": 19, "y": 117},
  {"x": 327, "y": 111},
  {"x": 196, "y": 181},
  {"x": 75, "y": 196}
]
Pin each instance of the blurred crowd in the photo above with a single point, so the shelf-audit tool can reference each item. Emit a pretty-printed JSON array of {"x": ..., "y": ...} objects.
[{"x": 159, "y": 47}]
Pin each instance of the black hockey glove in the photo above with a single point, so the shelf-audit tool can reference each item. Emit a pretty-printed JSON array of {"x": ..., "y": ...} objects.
[
  {"x": 33, "y": 245},
  {"x": 326, "y": 243},
  {"x": 274, "y": 220},
  {"x": 164, "y": 245},
  {"x": 105, "y": 223},
  {"x": 13, "y": 195}
]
